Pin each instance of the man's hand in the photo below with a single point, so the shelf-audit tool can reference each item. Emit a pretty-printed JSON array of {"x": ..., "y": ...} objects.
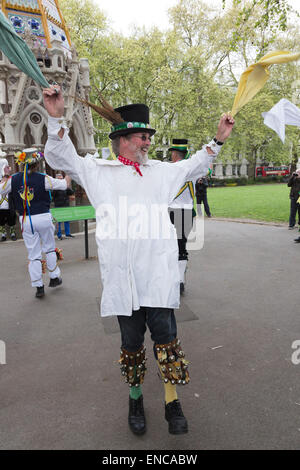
[
  {"x": 54, "y": 101},
  {"x": 225, "y": 127}
]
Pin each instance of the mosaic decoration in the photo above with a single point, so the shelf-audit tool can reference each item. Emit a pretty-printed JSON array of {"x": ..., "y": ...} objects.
[
  {"x": 58, "y": 34},
  {"x": 33, "y": 4},
  {"x": 22, "y": 20},
  {"x": 27, "y": 14}
]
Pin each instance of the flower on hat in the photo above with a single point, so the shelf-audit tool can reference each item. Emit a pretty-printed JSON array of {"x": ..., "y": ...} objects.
[{"x": 20, "y": 157}]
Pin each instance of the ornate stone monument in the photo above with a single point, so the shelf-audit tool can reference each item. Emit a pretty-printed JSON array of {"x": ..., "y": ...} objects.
[{"x": 23, "y": 119}]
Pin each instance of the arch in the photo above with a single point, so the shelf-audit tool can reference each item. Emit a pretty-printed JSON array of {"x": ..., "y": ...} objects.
[
  {"x": 73, "y": 137},
  {"x": 28, "y": 138},
  {"x": 44, "y": 135},
  {"x": 24, "y": 121}
]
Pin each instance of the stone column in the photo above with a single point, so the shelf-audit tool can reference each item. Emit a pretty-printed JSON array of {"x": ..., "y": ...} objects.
[
  {"x": 228, "y": 171},
  {"x": 219, "y": 170},
  {"x": 244, "y": 168}
]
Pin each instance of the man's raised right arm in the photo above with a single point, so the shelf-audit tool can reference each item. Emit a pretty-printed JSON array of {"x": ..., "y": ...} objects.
[{"x": 60, "y": 153}]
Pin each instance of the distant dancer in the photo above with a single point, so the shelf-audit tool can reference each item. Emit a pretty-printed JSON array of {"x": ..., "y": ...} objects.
[
  {"x": 181, "y": 210},
  {"x": 30, "y": 192}
]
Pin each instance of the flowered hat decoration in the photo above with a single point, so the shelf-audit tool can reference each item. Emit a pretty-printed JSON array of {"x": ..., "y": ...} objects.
[{"x": 28, "y": 156}]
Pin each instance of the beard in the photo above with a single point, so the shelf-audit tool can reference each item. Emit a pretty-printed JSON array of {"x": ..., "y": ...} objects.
[{"x": 142, "y": 157}]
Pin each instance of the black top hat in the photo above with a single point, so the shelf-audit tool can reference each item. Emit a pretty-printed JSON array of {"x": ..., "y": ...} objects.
[
  {"x": 179, "y": 144},
  {"x": 136, "y": 119}
]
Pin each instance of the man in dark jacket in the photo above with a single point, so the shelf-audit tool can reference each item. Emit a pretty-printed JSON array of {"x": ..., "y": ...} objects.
[
  {"x": 294, "y": 184},
  {"x": 61, "y": 199},
  {"x": 201, "y": 194}
]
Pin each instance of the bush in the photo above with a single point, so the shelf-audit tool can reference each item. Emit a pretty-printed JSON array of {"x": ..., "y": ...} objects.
[{"x": 243, "y": 181}]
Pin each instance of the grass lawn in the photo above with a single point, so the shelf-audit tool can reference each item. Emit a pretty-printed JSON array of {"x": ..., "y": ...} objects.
[{"x": 269, "y": 202}]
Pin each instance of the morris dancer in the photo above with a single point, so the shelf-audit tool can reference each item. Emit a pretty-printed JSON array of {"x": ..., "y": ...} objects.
[
  {"x": 139, "y": 272},
  {"x": 30, "y": 192},
  {"x": 182, "y": 208}
]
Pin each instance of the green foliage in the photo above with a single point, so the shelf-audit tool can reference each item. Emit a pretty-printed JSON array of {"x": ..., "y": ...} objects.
[
  {"x": 273, "y": 18},
  {"x": 189, "y": 74}
]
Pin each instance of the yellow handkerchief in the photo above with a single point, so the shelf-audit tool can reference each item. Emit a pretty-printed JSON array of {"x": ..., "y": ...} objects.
[{"x": 256, "y": 75}]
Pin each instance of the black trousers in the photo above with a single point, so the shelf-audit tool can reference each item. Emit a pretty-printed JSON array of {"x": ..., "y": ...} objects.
[
  {"x": 293, "y": 211},
  {"x": 182, "y": 219},
  {"x": 160, "y": 321},
  {"x": 203, "y": 198}
]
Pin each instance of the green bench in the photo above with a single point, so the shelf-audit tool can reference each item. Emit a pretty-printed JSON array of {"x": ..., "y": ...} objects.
[{"x": 69, "y": 214}]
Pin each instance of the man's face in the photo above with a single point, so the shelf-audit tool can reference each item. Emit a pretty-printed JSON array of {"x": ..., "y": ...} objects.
[{"x": 136, "y": 146}]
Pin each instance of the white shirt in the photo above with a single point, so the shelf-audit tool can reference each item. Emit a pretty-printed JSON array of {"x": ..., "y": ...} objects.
[
  {"x": 185, "y": 199},
  {"x": 138, "y": 252}
]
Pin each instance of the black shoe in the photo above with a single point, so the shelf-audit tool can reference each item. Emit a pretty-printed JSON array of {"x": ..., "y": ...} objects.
[
  {"x": 136, "y": 416},
  {"x": 291, "y": 227},
  {"x": 13, "y": 237},
  {"x": 57, "y": 281},
  {"x": 3, "y": 238},
  {"x": 297, "y": 240},
  {"x": 175, "y": 417},
  {"x": 40, "y": 292},
  {"x": 59, "y": 237},
  {"x": 70, "y": 236},
  {"x": 181, "y": 288}
]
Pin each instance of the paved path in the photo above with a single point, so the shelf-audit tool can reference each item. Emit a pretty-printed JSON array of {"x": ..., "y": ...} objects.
[{"x": 61, "y": 386}]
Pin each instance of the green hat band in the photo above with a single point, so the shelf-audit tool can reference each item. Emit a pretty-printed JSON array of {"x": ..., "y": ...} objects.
[
  {"x": 130, "y": 125},
  {"x": 181, "y": 148}
]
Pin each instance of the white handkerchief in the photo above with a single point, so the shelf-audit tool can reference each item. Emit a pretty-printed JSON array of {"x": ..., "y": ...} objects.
[{"x": 284, "y": 112}]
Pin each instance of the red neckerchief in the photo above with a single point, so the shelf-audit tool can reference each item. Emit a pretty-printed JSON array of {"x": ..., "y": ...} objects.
[{"x": 125, "y": 161}]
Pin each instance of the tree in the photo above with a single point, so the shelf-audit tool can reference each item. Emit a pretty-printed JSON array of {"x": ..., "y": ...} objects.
[
  {"x": 187, "y": 76},
  {"x": 273, "y": 18}
]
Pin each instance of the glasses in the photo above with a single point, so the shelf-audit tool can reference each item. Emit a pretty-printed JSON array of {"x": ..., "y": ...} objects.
[{"x": 143, "y": 137}]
